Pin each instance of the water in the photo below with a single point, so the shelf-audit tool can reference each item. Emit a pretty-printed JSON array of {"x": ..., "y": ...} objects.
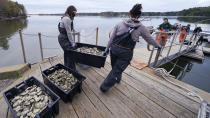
[
  {"x": 11, "y": 52},
  {"x": 191, "y": 71}
]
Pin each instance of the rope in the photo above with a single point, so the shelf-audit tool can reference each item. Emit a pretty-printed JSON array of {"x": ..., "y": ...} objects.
[
  {"x": 89, "y": 34},
  {"x": 30, "y": 34},
  {"x": 51, "y": 48},
  {"x": 49, "y": 36},
  {"x": 164, "y": 74}
]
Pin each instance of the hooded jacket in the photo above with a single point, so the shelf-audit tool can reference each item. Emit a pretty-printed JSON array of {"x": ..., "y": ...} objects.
[{"x": 123, "y": 27}]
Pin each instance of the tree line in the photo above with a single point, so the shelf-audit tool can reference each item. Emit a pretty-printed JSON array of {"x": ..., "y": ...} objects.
[
  {"x": 199, "y": 11},
  {"x": 11, "y": 9}
]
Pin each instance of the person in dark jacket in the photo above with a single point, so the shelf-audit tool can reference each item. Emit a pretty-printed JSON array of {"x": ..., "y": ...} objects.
[
  {"x": 165, "y": 25},
  {"x": 122, "y": 42},
  {"x": 65, "y": 37}
]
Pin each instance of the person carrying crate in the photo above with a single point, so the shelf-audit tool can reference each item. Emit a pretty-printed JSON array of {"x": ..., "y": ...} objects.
[
  {"x": 122, "y": 43},
  {"x": 65, "y": 37}
]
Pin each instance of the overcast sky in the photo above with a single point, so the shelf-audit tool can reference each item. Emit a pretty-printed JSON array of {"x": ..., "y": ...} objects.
[{"x": 59, "y": 6}]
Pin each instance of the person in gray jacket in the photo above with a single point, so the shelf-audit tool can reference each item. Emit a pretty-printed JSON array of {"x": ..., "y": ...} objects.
[
  {"x": 122, "y": 42},
  {"x": 65, "y": 37}
]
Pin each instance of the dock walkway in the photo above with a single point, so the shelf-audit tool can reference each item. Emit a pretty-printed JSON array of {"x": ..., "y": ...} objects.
[{"x": 141, "y": 94}]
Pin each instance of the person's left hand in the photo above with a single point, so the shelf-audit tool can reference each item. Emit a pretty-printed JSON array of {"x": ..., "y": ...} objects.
[
  {"x": 159, "y": 47},
  {"x": 74, "y": 46},
  {"x": 106, "y": 52},
  {"x": 165, "y": 30}
]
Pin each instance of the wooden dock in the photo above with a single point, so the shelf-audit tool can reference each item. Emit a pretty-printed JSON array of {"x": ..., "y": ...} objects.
[{"x": 141, "y": 94}]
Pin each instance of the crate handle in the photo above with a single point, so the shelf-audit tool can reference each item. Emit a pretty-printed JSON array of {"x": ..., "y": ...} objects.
[
  {"x": 20, "y": 85},
  {"x": 51, "y": 68}
]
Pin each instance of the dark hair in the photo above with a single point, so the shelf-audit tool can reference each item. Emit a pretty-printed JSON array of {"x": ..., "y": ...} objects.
[
  {"x": 136, "y": 11},
  {"x": 69, "y": 11},
  {"x": 165, "y": 19}
]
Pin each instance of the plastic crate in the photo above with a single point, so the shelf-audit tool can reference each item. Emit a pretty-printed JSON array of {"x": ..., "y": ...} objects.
[
  {"x": 66, "y": 96},
  {"x": 50, "y": 111},
  {"x": 88, "y": 59}
]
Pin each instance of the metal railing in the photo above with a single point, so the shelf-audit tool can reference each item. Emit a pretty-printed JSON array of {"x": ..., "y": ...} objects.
[
  {"x": 76, "y": 38},
  {"x": 189, "y": 44}
]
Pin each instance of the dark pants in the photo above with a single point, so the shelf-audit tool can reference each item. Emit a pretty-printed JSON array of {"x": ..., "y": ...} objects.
[
  {"x": 68, "y": 56},
  {"x": 120, "y": 59}
]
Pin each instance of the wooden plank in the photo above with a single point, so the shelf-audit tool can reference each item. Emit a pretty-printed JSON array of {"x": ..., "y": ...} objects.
[
  {"x": 66, "y": 110},
  {"x": 3, "y": 107},
  {"x": 184, "y": 101},
  {"x": 99, "y": 105},
  {"x": 150, "y": 74},
  {"x": 174, "y": 99},
  {"x": 203, "y": 94},
  {"x": 153, "y": 95},
  {"x": 135, "y": 104},
  {"x": 84, "y": 108},
  {"x": 112, "y": 101}
]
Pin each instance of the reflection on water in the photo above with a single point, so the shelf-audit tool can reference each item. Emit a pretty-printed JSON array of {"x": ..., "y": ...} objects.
[
  {"x": 191, "y": 71},
  {"x": 194, "y": 19},
  {"x": 8, "y": 28}
]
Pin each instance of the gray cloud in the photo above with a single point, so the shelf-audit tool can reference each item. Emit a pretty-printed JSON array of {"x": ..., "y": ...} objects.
[{"x": 59, "y": 6}]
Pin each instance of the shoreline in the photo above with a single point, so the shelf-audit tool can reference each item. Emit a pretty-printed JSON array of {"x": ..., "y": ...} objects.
[
  {"x": 12, "y": 18},
  {"x": 120, "y": 15}
]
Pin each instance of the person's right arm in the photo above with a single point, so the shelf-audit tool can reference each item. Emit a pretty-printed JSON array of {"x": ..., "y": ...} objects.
[{"x": 67, "y": 24}]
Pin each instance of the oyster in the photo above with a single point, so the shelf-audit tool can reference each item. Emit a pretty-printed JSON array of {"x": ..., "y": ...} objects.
[
  {"x": 92, "y": 51},
  {"x": 63, "y": 79},
  {"x": 30, "y": 102}
]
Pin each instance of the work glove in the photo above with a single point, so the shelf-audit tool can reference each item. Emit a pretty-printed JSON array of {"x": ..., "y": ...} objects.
[
  {"x": 159, "y": 47},
  {"x": 165, "y": 30},
  {"x": 106, "y": 52},
  {"x": 74, "y": 46}
]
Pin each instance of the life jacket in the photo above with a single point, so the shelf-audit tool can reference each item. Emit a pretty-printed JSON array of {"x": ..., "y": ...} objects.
[
  {"x": 165, "y": 35},
  {"x": 125, "y": 40},
  {"x": 183, "y": 34}
]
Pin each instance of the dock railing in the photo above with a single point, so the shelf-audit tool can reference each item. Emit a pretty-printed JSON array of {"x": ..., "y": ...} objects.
[
  {"x": 170, "y": 51},
  {"x": 173, "y": 48},
  {"x": 40, "y": 36}
]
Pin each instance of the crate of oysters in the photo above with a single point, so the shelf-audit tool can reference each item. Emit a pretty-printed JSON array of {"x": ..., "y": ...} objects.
[
  {"x": 90, "y": 55},
  {"x": 32, "y": 99},
  {"x": 63, "y": 81}
]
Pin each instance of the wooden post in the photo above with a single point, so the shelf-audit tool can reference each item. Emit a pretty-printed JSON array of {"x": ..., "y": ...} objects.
[
  {"x": 97, "y": 36},
  {"x": 22, "y": 45},
  {"x": 78, "y": 37},
  {"x": 40, "y": 43},
  {"x": 74, "y": 36}
]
